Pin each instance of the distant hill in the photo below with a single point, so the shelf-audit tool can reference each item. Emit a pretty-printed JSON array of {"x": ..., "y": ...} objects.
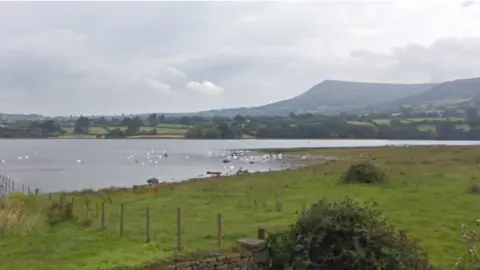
[
  {"x": 449, "y": 92},
  {"x": 332, "y": 97}
]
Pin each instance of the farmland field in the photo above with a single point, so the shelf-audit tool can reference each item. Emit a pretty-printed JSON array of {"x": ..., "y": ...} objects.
[
  {"x": 163, "y": 130},
  {"x": 430, "y": 192}
]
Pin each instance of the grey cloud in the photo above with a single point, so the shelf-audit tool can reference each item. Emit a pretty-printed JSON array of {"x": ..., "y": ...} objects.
[
  {"x": 445, "y": 59},
  {"x": 467, "y": 3},
  {"x": 114, "y": 57}
]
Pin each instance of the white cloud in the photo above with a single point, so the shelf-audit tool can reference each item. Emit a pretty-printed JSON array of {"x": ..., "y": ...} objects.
[
  {"x": 176, "y": 73},
  {"x": 362, "y": 31},
  {"x": 158, "y": 86},
  {"x": 206, "y": 88},
  {"x": 58, "y": 58}
]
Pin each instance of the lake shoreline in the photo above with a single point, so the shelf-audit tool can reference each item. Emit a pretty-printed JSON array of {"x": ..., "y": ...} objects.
[
  {"x": 69, "y": 165},
  {"x": 292, "y": 162}
]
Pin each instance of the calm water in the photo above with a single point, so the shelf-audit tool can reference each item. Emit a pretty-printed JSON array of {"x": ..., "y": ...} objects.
[{"x": 53, "y": 165}]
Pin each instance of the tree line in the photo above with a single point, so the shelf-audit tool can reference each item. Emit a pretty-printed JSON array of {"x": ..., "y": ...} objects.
[
  {"x": 295, "y": 126},
  {"x": 310, "y": 126}
]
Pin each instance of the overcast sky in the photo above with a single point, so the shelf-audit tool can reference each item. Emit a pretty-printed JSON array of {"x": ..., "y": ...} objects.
[{"x": 108, "y": 58}]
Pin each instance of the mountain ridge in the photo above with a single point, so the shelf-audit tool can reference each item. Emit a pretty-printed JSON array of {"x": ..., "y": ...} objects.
[{"x": 331, "y": 97}]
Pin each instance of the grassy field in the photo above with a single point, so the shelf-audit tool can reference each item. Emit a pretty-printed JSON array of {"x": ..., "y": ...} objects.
[
  {"x": 415, "y": 120},
  {"x": 163, "y": 131},
  {"x": 427, "y": 195}
]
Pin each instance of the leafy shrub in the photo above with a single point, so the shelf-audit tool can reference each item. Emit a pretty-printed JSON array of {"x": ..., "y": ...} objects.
[
  {"x": 344, "y": 235},
  {"x": 58, "y": 213},
  {"x": 364, "y": 172}
]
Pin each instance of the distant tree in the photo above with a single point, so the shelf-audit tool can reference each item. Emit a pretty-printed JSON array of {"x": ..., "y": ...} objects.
[
  {"x": 133, "y": 125},
  {"x": 185, "y": 120},
  {"x": 161, "y": 118},
  {"x": 81, "y": 125},
  {"x": 472, "y": 117},
  {"x": 102, "y": 121},
  {"x": 48, "y": 128},
  {"x": 51, "y": 127},
  {"x": 446, "y": 130},
  {"x": 396, "y": 122},
  {"x": 239, "y": 119},
  {"x": 132, "y": 130},
  {"x": 225, "y": 131},
  {"x": 136, "y": 121},
  {"x": 115, "y": 133},
  {"x": 152, "y": 120},
  {"x": 407, "y": 112},
  {"x": 203, "y": 131}
]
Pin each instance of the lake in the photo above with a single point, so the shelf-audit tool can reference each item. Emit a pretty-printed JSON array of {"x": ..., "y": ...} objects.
[{"x": 54, "y": 165}]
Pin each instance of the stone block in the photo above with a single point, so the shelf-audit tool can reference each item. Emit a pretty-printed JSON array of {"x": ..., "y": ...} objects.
[{"x": 254, "y": 247}]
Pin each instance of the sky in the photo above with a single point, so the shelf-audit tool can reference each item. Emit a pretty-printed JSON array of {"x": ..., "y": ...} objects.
[{"x": 72, "y": 58}]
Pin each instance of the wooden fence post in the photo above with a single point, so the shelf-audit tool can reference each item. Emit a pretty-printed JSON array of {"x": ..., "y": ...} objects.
[
  {"x": 261, "y": 233},
  {"x": 62, "y": 198},
  {"x": 2, "y": 185},
  {"x": 87, "y": 203},
  {"x": 122, "y": 208},
  {"x": 23, "y": 188},
  {"x": 179, "y": 228},
  {"x": 147, "y": 225},
  {"x": 102, "y": 224},
  {"x": 219, "y": 231},
  {"x": 72, "y": 204}
]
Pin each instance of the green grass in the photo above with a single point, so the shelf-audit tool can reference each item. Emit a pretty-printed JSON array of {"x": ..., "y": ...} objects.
[
  {"x": 413, "y": 120},
  {"x": 360, "y": 123},
  {"x": 77, "y": 136},
  {"x": 163, "y": 130},
  {"x": 427, "y": 127},
  {"x": 426, "y": 195}
]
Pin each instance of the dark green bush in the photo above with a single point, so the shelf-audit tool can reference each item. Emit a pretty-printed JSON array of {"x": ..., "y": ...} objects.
[
  {"x": 364, "y": 172},
  {"x": 344, "y": 235}
]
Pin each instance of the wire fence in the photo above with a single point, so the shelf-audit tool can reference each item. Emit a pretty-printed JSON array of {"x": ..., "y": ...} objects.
[
  {"x": 8, "y": 186},
  {"x": 176, "y": 228}
]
